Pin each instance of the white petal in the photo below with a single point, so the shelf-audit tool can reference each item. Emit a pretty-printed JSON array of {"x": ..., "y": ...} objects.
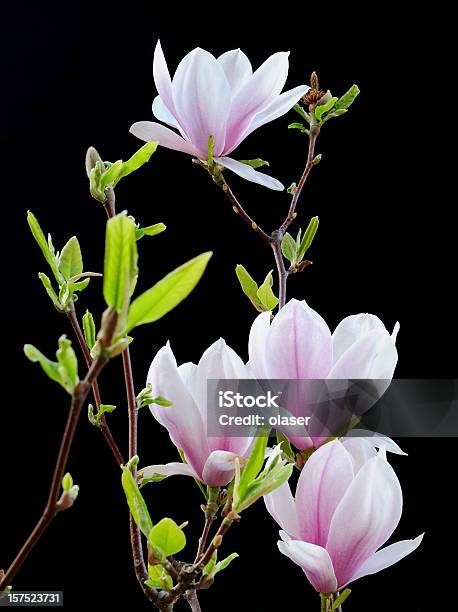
[
  {"x": 202, "y": 96},
  {"x": 387, "y": 556},
  {"x": 315, "y": 561},
  {"x": 257, "y": 345},
  {"x": 281, "y": 506},
  {"x": 162, "y": 113},
  {"x": 169, "y": 469},
  {"x": 162, "y": 77},
  {"x": 148, "y": 130},
  {"x": 377, "y": 440},
  {"x": 360, "y": 449},
  {"x": 250, "y": 174},
  {"x": 280, "y": 106},
  {"x": 351, "y": 329},
  {"x": 237, "y": 67}
]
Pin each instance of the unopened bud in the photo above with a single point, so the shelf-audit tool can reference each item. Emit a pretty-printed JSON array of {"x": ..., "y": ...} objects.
[
  {"x": 92, "y": 157},
  {"x": 314, "y": 84},
  {"x": 317, "y": 159},
  {"x": 217, "y": 540}
]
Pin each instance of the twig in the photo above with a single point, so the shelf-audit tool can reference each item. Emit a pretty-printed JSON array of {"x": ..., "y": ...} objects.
[
  {"x": 78, "y": 399},
  {"x": 191, "y": 598},
  {"x": 104, "y": 428}
]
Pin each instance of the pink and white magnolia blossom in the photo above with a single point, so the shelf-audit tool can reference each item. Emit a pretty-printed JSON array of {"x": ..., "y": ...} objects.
[
  {"x": 220, "y": 97},
  {"x": 209, "y": 459},
  {"x": 348, "y": 502},
  {"x": 298, "y": 345}
]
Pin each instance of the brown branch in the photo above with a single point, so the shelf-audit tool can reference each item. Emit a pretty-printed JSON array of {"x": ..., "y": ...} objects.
[
  {"x": 104, "y": 428},
  {"x": 191, "y": 598},
  {"x": 78, "y": 399}
]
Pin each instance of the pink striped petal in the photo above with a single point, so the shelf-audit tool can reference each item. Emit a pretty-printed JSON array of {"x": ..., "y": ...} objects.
[
  {"x": 162, "y": 78},
  {"x": 219, "y": 468},
  {"x": 323, "y": 482},
  {"x": 281, "y": 506},
  {"x": 365, "y": 518},
  {"x": 202, "y": 96},
  {"x": 237, "y": 68},
  {"x": 315, "y": 562},
  {"x": 148, "y": 130},
  {"x": 257, "y": 345},
  {"x": 250, "y": 174},
  {"x": 386, "y": 557}
]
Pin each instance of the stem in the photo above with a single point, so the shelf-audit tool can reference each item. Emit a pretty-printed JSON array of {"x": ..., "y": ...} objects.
[
  {"x": 324, "y": 602},
  {"x": 191, "y": 598},
  {"x": 282, "y": 271},
  {"x": 314, "y": 131},
  {"x": 52, "y": 506},
  {"x": 104, "y": 428}
]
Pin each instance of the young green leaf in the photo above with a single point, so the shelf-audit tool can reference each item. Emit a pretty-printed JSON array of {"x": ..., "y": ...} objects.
[
  {"x": 120, "y": 265},
  {"x": 347, "y": 99},
  {"x": 303, "y": 113},
  {"x": 219, "y": 567},
  {"x": 289, "y": 248},
  {"x": 67, "y": 482},
  {"x": 70, "y": 260},
  {"x": 68, "y": 363},
  {"x": 168, "y": 537},
  {"x": 321, "y": 109},
  {"x": 265, "y": 294},
  {"x": 138, "y": 159},
  {"x": 296, "y": 126},
  {"x": 136, "y": 502},
  {"x": 285, "y": 445},
  {"x": 50, "y": 368},
  {"x": 210, "y": 149},
  {"x": 159, "y": 578},
  {"x": 340, "y": 600},
  {"x": 167, "y": 293},
  {"x": 111, "y": 176},
  {"x": 89, "y": 329},
  {"x": 255, "y": 163},
  {"x": 49, "y": 289},
  {"x": 308, "y": 237},
  {"x": 249, "y": 286},
  {"x": 151, "y": 230},
  {"x": 252, "y": 468},
  {"x": 39, "y": 236}
]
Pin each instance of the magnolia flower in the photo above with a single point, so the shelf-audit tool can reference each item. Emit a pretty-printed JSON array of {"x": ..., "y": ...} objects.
[
  {"x": 298, "y": 345},
  {"x": 348, "y": 503},
  {"x": 219, "y": 97},
  {"x": 209, "y": 459}
]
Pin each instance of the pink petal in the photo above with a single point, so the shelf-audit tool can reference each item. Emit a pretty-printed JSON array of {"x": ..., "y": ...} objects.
[
  {"x": 202, "y": 96},
  {"x": 219, "y": 468},
  {"x": 255, "y": 96},
  {"x": 386, "y": 557},
  {"x": 250, "y": 174},
  {"x": 257, "y": 345},
  {"x": 281, "y": 105},
  {"x": 299, "y": 344},
  {"x": 360, "y": 451},
  {"x": 183, "y": 419},
  {"x": 351, "y": 329},
  {"x": 315, "y": 562},
  {"x": 162, "y": 78},
  {"x": 281, "y": 506},
  {"x": 148, "y": 130},
  {"x": 162, "y": 113},
  {"x": 169, "y": 469},
  {"x": 323, "y": 481},
  {"x": 237, "y": 68},
  {"x": 365, "y": 518},
  {"x": 372, "y": 356}
]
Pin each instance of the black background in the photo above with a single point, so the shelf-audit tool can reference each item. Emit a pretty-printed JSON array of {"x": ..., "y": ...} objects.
[{"x": 81, "y": 75}]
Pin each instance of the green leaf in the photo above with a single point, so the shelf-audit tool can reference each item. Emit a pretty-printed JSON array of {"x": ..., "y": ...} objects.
[
  {"x": 252, "y": 468},
  {"x": 50, "y": 368},
  {"x": 249, "y": 286},
  {"x": 89, "y": 329},
  {"x": 265, "y": 294},
  {"x": 70, "y": 260},
  {"x": 321, "y": 109},
  {"x": 300, "y": 111},
  {"x": 296, "y": 126},
  {"x": 111, "y": 176},
  {"x": 151, "y": 230},
  {"x": 265, "y": 485},
  {"x": 285, "y": 445},
  {"x": 342, "y": 597},
  {"x": 219, "y": 567},
  {"x": 289, "y": 248},
  {"x": 106, "y": 408},
  {"x": 161, "y": 401},
  {"x": 68, "y": 362},
  {"x": 308, "y": 237},
  {"x": 345, "y": 101},
  {"x": 292, "y": 189},
  {"x": 138, "y": 159},
  {"x": 39, "y": 236},
  {"x": 208, "y": 569},
  {"x": 136, "y": 502},
  {"x": 168, "y": 537},
  {"x": 255, "y": 163},
  {"x": 167, "y": 293},
  {"x": 67, "y": 482},
  {"x": 159, "y": 578},
  {"x": 120, "y": 265},
  {"x": 49, "y": 289}
]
